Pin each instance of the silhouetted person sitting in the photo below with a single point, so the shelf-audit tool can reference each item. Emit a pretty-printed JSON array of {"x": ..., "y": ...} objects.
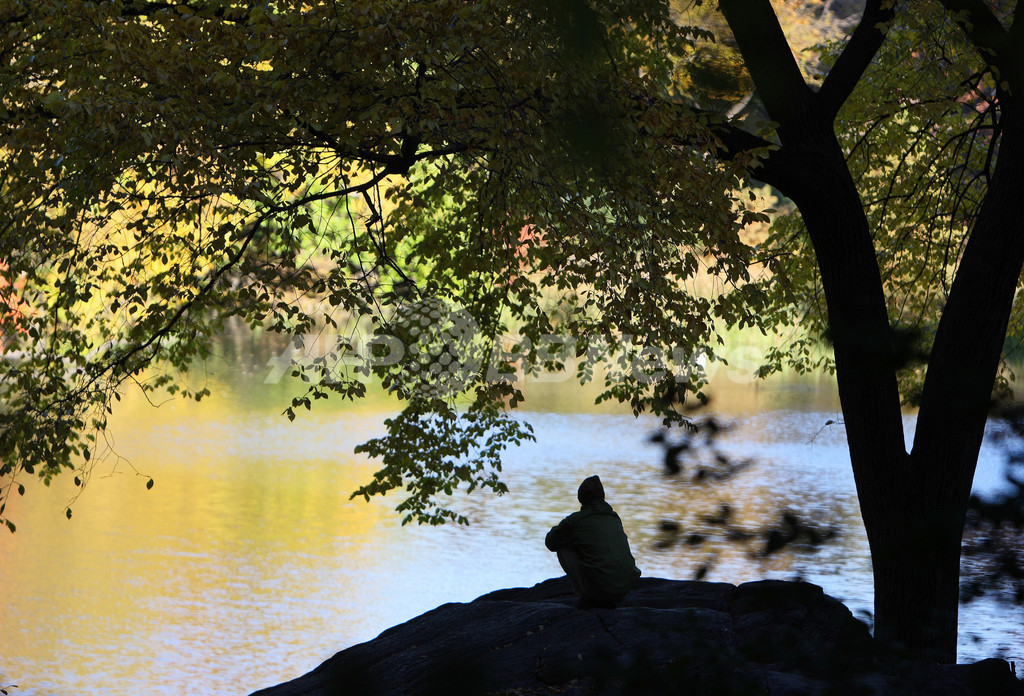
[{"x": 593, "y": 550}]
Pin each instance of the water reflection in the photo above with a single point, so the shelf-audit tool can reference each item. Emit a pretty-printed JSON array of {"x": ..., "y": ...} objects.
[{"x": 247, "y": 565}]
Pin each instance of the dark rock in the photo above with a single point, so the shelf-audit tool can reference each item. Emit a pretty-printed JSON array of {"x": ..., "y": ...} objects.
[{"x": 666, "y": 637}]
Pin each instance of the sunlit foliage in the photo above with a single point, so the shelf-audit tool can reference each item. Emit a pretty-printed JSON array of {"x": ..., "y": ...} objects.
[{"x": 310, "y": 165}]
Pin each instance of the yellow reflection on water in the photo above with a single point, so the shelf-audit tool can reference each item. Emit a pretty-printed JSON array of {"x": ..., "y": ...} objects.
[{"x": 248, "y": 527}]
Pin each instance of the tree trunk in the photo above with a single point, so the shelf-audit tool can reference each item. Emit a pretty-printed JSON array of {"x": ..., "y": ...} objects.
[
  {"x": 913, "y": 519},
  {"x": 912, "y": 567},
  {"x": 957, "y": 396},
  {"x": 915, "y": 556},
  {"x": 913, "y": 505}
]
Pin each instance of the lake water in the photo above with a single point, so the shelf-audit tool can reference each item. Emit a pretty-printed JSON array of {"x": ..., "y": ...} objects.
[{"x": 247, "y": 565}]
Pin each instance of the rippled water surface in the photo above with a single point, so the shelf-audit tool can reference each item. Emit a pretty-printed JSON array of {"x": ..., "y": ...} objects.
[{"x": 247, "y": 564}]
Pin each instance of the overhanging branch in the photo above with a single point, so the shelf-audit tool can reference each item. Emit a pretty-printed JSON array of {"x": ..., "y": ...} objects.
[
  {"x": 735, "y": 141},
  {"x": 119, "y": 365}
]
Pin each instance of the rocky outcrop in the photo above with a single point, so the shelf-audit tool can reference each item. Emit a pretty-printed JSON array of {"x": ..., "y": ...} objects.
[{"x": 667, "y": 637}]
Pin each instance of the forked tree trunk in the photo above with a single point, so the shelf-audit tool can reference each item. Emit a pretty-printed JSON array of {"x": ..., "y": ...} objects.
[
  {"x": 913, "y": 519},
  {"x": 913, "y": 505},
  {"x": 957, "y": 397},
  {"x": 912, "y": 570}
]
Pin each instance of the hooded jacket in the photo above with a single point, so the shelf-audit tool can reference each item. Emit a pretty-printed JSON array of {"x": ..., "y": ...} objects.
[{"x": 596, "y": 534}]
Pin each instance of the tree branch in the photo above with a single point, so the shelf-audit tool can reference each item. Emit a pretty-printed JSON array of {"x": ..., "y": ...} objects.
[
  {"x": 776, "y": 167},
  {"x": 143, "y": 9},
  {"x": 120, "y": 362},
  {"x": 771, "y": 169},
  {"x": 1001, "y": 48},
  {"x": 1017, "y": 25},
  {"x": 399, "y": 164},
  {"x": 860, "y": 50},
  {"x": 981, "y": 26},
  {"x": 769, "y": 59},
  {"x": 1016, "y": 45}
]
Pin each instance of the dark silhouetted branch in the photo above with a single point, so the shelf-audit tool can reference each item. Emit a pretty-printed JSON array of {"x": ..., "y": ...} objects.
[
  {"x": 769, "y": 59},
  {"x": 860, "y": 50}
]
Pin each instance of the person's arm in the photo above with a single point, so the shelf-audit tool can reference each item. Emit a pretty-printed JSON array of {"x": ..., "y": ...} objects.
[{"x": 558, "y": 536}]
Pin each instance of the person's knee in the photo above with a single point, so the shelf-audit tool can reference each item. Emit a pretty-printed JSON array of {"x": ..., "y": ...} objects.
[{"x": 569, "y": 560}]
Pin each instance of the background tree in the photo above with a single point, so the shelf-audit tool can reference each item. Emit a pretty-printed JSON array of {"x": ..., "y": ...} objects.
[{"x": 311, "y": 166}]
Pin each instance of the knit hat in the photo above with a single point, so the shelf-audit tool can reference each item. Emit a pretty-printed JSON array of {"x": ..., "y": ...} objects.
[{"x": 590, "y": 491}]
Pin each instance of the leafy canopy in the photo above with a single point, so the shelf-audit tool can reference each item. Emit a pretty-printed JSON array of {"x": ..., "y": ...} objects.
[
  {"x": 525, "y": 169},
  {"x": 320, "y": 166}
]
